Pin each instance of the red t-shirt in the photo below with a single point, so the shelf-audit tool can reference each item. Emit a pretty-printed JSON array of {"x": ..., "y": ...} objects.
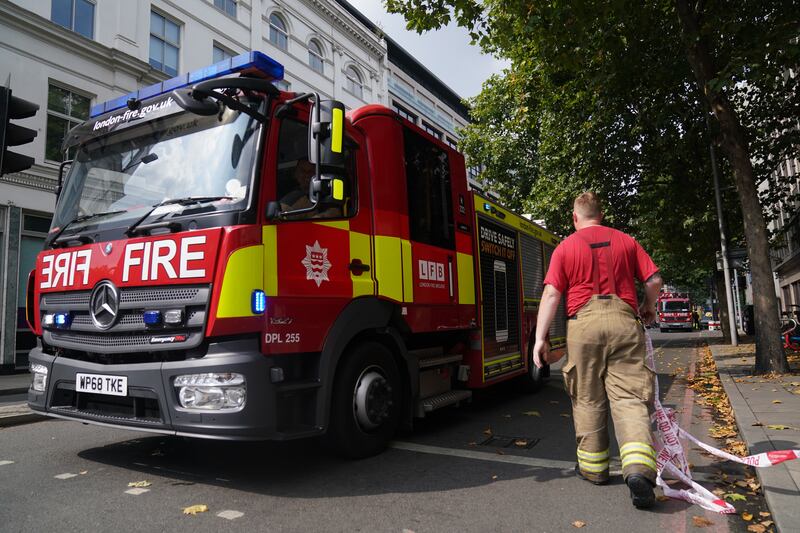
[{"x": 570, "y": 267}]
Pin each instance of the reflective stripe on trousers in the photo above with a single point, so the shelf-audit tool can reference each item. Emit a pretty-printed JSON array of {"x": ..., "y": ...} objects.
[{"x": 605, "y": 370}]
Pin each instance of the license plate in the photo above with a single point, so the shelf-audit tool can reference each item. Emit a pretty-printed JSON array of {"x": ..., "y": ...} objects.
[{"x": 102, "y": 384}]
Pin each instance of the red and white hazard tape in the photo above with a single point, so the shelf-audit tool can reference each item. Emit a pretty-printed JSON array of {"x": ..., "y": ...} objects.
[{"x": 672, "y": 459}]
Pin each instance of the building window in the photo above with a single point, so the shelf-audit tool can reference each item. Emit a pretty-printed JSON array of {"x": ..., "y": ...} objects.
[
  {"x": 220, "y": 54},
  {"x": 277, "y": 32},
  {"x": 452, "y": 143},
  {"x": 430, "y": 129},
  {"x": 315, "y": 60},
  {"x": 404, "y": 112},
  {"x": 355, "y": 85},
  {"x": 76, "y": 15},
  {"x": 65, "y": 110},
  {"x": 165, "y": 42},
  {"x": 473, "y": 173},
  {"x": 228, "y": 6},
  {"x": 283, "y": 85}
]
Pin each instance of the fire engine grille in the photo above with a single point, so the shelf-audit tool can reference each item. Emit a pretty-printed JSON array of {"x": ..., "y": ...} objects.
[{"x": 129, "y": 331}]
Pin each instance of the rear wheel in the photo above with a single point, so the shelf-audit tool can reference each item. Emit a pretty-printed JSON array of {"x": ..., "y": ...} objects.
[{"x": 365, "y": 408}]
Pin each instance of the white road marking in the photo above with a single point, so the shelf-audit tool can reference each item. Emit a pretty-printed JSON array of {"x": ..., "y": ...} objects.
[
  {"x": 4, "y": 463},
  {"x": 493, "y": 457},
  {"x": 230, "y": 515},
  {"x": 65, "y": 476},
  {"x": 136, "y": 491}
]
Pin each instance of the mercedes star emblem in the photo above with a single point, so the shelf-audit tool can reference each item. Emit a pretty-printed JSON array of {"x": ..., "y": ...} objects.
[{"x": 104, "y": 305}]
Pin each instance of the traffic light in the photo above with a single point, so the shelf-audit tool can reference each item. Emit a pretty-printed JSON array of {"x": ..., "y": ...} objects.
[{"x": 12, "y": 108}]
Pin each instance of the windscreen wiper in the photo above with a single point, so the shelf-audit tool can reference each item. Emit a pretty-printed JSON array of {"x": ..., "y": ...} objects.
[
  {"x": 135, "y": 228},
  {"x": 85, "y": 239}
]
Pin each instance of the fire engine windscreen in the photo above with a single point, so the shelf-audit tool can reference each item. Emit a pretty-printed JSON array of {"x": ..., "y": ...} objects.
[
  {"x": 130, "y": 170},
  {"x": 675, "y": 306}
]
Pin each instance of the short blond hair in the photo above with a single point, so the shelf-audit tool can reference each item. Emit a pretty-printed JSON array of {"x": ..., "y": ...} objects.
[{"x": 588, "y": 206}]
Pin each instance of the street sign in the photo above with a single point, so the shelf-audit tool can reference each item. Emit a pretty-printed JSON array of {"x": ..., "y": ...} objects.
[{"x": 737, "y": 258}]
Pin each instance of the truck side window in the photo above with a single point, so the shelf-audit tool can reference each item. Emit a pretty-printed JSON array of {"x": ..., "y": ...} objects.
[
  {"x": 294, "y": 173},
  {"x": 430, "y": 202}
]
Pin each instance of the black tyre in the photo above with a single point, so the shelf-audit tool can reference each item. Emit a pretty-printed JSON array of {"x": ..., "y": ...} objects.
[
  {"x": 535, "y": 377},
  {"x": 366, "y": 402}
]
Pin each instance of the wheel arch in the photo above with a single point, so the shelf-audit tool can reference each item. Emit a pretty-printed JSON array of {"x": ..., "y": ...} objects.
[{"x": 363, "y": 319}]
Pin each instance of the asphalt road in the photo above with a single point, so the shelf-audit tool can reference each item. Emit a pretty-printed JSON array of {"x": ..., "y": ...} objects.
[{"x": 447, "y": 475}]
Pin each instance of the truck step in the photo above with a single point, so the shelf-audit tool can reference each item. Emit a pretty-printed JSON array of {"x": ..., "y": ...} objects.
[
  {"x": 440, "y": 360},
  {"x": 424, "y": 353},
  {"x": 442, "y": 400}
]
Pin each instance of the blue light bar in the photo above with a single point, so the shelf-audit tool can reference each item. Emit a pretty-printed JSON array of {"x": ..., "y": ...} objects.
[
  {"x": 62, "y": 320},
  {"x": 152, "y": 318},
  {"x": 258, "y": 301},
  {"x": 271, "y": 69}
]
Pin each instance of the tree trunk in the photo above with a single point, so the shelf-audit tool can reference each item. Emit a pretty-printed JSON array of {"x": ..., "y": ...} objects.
[
  {"x": 722, "y": 306},
  {"x": 770, "y": 356}
]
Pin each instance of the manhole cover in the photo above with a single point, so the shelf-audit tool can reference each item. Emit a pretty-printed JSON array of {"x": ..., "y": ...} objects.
[{"x": 502, "y": 441}]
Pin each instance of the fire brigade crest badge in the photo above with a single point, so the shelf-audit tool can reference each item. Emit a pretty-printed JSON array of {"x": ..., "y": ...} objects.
[{"x": 316, "y": 263}]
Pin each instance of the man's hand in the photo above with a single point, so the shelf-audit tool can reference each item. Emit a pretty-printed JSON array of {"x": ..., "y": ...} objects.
[
  {"x": 647, "y": 314},
  {"x": 541, "y": 353}
]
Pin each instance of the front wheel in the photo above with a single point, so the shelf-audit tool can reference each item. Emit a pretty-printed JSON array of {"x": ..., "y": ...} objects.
[{"x": 365, "y": 408}]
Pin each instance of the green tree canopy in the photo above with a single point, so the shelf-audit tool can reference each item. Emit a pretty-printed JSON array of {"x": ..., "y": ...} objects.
[{"x": 624, "y": 98}]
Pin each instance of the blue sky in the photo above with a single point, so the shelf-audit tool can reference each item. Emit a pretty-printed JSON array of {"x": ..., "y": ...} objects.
[{"x": 446, "y": 52}]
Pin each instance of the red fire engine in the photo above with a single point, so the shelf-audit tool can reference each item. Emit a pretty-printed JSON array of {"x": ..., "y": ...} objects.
[
  {"x": 674, "y": 311},
  {"x": 231, "y": 261}
]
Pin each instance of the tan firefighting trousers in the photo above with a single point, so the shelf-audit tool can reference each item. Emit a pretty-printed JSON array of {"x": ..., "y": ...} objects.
[{"x": 606, "y": 367}]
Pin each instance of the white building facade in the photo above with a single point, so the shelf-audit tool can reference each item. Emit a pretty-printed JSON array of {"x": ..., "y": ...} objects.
[{"x": 67, "y": 55}]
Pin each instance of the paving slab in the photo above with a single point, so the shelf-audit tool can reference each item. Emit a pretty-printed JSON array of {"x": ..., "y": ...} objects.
[
  {"x": 14, "y": 383},
  {"x": 752, "y": 399}
]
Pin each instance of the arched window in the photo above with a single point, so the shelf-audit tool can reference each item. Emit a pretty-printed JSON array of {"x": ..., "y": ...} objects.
[
  {"x": 354, "y": 82},
  {"x": 277, "y": 32},
  {"x": 315, "y": 56}
]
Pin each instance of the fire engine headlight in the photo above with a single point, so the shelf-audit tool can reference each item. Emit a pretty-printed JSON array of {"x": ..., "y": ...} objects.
[
  {"x": 212, "y": 391},
  {"x": 38, "y": 377}
]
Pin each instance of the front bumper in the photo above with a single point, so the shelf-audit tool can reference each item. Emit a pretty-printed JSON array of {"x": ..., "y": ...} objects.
[
  {"x": 152, "y": 402},
  {"x": 676, "y": 325}
]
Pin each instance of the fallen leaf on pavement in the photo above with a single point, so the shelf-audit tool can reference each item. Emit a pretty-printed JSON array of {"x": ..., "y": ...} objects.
[
  {"x": 194, "y": 509},
  {"x": 701, "y": 521},
  {"x": 756, "y": 528},
  {"x": 139, "y": 484},
  {"x": 747, "y": 516},
  {"x": 83, "y": 472},
  {"x": 742, "y": 483},
  {"x": 734, "y": 497},
  {"x": 776, "y": 401},
  {"x": 494, "y": 477},
  {"x": 763, "y": 513},
  {"x": 488, "y": 431},
  {"x": 778, "y": 426},
  {"x": 579, "y": 523},
  {"x": 757, "y": 424},
  {"x": 532, "y": 413},
  {"x": 521, "y": 443},
  {"x": 767, "y": 523},
  {"x": 565, "y": 415},
  {"x": 662, "y": 498}
]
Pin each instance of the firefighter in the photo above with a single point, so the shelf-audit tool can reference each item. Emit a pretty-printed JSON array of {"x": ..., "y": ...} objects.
[{"x": 605, "y": 365}]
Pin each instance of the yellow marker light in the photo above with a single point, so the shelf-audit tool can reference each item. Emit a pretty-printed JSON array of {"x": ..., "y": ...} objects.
[
  {"x": 338, "y": 189},
  {"x": 337, "y": 130}
]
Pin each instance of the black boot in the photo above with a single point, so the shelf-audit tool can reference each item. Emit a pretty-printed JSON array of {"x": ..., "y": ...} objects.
[
  {"x": 592, "y": 481},
  {"x": 641, "y": 491}
]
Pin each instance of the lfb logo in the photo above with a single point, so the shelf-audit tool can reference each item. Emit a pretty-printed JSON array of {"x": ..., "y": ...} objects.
[{"x": 431, "y": 270}]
